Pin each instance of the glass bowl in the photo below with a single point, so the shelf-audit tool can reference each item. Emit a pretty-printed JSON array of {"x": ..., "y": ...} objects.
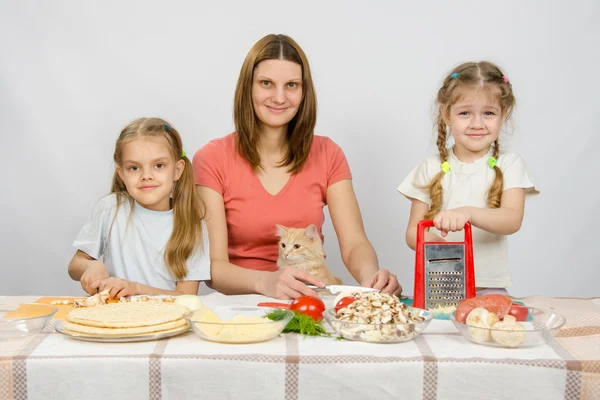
[
  {"x": 235, "y": 326},
  {"x": 541, "y": 327},
  {"x": 380, "y": 333},
  {"x": 35, "y": 318}
]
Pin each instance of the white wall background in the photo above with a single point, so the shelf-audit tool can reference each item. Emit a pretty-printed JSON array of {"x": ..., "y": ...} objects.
[{"x": 73, "y": 73}]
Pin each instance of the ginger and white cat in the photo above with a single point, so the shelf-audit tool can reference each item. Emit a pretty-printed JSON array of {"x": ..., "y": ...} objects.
[{"x": 301, "y": 248}]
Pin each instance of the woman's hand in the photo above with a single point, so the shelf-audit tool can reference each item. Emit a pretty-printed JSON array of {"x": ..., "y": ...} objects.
[
  {"x": 385, "y": 281},
  {"x": 94, "y": 271},
  {"x": 288, "y": 283},
  {"x": 451, "y": 220},
  {"x": 118, "y": 287}
]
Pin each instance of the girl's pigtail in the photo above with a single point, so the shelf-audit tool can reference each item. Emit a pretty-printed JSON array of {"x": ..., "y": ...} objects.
[
  {"x": 188, "y": 213},
  {"x": 495, "y": 192},
  {"x": 435, "y": 186}
]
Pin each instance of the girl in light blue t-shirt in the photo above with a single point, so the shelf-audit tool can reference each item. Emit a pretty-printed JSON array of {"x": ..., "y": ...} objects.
[{"x": 150, "y": 231}]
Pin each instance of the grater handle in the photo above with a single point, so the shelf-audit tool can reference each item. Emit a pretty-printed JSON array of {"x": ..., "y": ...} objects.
[
  {"x": 418, "y": 293},
  {"x": 428, "y": 223}
]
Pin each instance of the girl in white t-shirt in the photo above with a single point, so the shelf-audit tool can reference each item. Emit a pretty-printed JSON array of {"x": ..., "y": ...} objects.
[
  {"x": 472, "y": 180},
  {"x": 150, "y": 230}
]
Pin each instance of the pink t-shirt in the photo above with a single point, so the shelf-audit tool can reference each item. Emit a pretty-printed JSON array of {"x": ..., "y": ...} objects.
[{"x": 252, "y": 212}]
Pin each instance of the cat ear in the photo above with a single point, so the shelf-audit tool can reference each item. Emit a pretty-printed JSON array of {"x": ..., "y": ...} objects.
[
  {"x": 311, "y": 232},
  {"x": 281, "y": 230}
]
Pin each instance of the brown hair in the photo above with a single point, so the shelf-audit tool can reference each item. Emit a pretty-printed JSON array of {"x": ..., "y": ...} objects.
[
  {"x": 300, "y": 130},
  {"x": 188, "y": 210},
  {"x": 472, "y": 75}
]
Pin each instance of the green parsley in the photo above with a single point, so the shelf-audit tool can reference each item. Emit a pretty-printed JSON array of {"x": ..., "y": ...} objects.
[{"x": 301, "y": 323}]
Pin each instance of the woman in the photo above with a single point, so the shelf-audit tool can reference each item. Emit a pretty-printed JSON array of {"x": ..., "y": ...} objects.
[{"x": 274, "y": 170}]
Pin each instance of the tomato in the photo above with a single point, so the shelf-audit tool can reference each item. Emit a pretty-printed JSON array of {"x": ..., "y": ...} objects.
[
  {"x": 521, "y": 313},
  {"x": 344, "y": 302},
  {"x": 309, "y": 305}
]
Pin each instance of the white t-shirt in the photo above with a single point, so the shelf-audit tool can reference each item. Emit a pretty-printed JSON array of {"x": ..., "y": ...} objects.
[
  {"x": 467, "y": 184},
  {"x": 134, "y": 250}
]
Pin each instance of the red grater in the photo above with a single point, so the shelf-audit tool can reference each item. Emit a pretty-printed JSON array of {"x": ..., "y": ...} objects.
[{"x": 444, "y": 271}]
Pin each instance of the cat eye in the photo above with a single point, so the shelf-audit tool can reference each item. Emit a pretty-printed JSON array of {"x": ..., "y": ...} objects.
[
  {"x": 296, "y": 246},
  {"x": 283, "y": 245}
]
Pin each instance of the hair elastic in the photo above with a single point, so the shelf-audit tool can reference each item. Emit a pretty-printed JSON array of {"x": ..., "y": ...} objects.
[
  {"x": 183, "y": 154},
  {"x": 492, "y": 162},
  {"x": 166, "y": 127},
  {"x": 504, "y": 78},
  {"x": 454, "y": 75},
  {"x": 445, "y": 167}
]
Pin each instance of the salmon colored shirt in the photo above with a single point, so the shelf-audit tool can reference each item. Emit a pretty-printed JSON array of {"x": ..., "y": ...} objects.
[{"x": 251, "y": 212}]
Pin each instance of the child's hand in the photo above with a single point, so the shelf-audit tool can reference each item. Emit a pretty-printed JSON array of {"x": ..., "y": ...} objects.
[
  {"x": 451, "y": 220},
  {"x": 94, "y": 271},
  {"x": 118, "y": 287}
]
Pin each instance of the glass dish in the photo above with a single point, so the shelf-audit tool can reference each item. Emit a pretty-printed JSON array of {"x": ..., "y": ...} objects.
[
  {"x": 380, "y": 333},
  {"x": 540, "y": 328},
  {"x": 35, "y": 320},
  {"x": 238, "y": 332},
  {"x": 121, "y": 339}
]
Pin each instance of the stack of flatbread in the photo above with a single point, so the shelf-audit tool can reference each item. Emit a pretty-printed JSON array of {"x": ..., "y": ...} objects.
[{"x": 126, "y": 319}]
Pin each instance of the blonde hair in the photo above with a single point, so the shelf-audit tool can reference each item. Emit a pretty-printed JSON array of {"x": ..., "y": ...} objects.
[
  {"x": 300, "y": 132},
  {"x": 469, "y": 75},
  {"x": 188, "y": 209}
]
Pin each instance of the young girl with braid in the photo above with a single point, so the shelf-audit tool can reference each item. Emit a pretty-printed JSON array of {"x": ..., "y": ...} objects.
[{"x": 474, "y": 180}]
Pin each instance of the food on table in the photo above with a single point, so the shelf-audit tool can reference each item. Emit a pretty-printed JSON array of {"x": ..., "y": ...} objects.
[
  {"x": 440, "y": 310},
  {"x": 191, "y": 301},
  {"x": 93, "y": 301},
  {"x": 240, "y": 329},
  {"x": 126, "y": 319},
  {"x": 274, "y": 304},
  {"x": 309, "y": 305},
  {"x": 138, "y": 299},
  {"x": 204, "y": 314},
  {"x": 344, "y": 302},
  {"x": 495, "y": 303},
  {"x": 520, "y": 312},
  {"x": 378, "y": 317},
  {"x": 512, "y": 334},
  {"x": 103, "y": 298},
  {"x": 481, "y": 318},
  {"x": 347, "y": 293},
  {"x": 300, "y": 323}
]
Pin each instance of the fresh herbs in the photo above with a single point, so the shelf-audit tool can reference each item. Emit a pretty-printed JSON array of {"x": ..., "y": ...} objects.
[{"x": 301, "y": 323}]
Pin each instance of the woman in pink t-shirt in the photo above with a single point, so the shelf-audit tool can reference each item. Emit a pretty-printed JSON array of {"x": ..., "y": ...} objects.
[{"x": 274, "y": 170}]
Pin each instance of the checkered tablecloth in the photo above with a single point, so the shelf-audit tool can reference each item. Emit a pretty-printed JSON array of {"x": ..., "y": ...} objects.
[{"x": 439, "y": 364}]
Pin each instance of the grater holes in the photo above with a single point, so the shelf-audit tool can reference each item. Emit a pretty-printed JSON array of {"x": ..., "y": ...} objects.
[{"x": 434, "y": 298}]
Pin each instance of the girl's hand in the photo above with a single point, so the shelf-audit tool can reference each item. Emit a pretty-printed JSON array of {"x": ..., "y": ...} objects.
[
  {"x": 118, "y": 287},
  {"x": 288, "y": 283},
  {"x": 95, "y": 271},
  {"x": 385, "y": 281},
  {"x": 451, "y": 220}
]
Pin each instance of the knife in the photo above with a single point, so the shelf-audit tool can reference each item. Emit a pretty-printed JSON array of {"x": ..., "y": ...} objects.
[{"x": 334, "y": 289}]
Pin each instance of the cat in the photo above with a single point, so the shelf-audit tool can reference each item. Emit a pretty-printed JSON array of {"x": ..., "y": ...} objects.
[{"x": 301, "y": 248}]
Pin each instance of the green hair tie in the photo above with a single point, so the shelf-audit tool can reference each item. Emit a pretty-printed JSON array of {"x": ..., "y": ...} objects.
[
  {"x": 445, "y": 167},
  {"x": 183, "y": 154},
  {"x": 492, "y": 162}
]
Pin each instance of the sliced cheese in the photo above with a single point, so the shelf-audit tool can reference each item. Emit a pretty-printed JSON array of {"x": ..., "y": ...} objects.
[{"x": 204, "y": 314}]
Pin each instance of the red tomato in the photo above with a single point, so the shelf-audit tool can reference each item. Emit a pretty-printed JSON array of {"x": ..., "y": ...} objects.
[
  {"x": 309, "y": 305},
  {"x": 344, "y": 302},
  {"x": 521, "y": 313}
]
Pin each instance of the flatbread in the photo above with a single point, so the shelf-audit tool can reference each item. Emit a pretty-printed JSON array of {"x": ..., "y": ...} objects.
[
  {"x": 127, "y": 315},
  {"x": 102, "y": 334},
  {"x": 94, "y": 330}
]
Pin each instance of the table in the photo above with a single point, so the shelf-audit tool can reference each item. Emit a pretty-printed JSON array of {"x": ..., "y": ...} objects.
[{"x": 439, "y": 364}]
